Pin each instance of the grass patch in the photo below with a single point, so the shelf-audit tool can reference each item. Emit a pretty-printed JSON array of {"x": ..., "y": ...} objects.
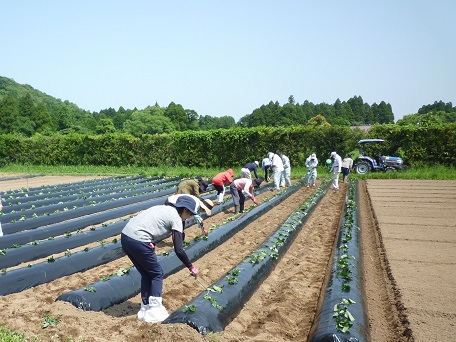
[
  {"x": 424, "y": 172},
  {"x": 6, "y": 335}
]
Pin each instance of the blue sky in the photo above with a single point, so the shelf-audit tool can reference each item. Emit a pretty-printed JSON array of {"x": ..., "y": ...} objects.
[{"x": 229, "y": 58}]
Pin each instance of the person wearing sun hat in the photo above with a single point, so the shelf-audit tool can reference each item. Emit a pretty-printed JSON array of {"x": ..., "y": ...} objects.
[
  {"x": 138, "y": 239},
  {"x": 205, "y": 205}
]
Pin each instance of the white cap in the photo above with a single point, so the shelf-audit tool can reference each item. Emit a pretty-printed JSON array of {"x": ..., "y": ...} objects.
[
  {"x": 333, "y": 154},
  {"x": 256, "y": 162}
]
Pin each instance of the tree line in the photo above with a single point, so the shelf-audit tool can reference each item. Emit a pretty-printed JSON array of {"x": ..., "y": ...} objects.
[{"x": 27, "y": 111}]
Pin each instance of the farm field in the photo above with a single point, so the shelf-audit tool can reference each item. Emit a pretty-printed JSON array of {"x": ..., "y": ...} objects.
[{"x": 398, "y": 259}]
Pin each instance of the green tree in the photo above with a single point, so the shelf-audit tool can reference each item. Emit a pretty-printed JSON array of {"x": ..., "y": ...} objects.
[
  {"x": 105, "y": 126},
  {"x": 178, "y": 117},
  {"x": 9, "y": 112},
  {"x": 141, "y": 122},
  {"x": 318, "y": 120},
  {"x": 42, "y": 119}
]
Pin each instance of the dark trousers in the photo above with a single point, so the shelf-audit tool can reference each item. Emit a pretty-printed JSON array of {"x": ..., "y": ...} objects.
[{"x": 143, "y": 256}]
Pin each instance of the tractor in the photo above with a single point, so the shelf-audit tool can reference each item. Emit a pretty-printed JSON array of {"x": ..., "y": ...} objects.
[{"x": 364, "y": 163}]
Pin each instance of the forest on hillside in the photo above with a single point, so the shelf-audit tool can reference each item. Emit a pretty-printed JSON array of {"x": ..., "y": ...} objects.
[{"x": 27, "y": 111}]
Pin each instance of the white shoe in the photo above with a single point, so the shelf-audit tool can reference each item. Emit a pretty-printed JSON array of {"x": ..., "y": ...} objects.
[
  {"x": 307, "y": 185},
  {"x": 155, "y": 312},
  {"x": 142, "y": 311}
]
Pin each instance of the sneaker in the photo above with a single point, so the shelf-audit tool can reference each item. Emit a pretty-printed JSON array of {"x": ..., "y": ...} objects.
[
  {"x": 335, "y": 189},
  {"x": 307, "y": 185}
]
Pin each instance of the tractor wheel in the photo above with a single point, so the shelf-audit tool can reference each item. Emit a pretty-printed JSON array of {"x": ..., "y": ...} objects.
[
  {"x": 390, "y": 169},
  {"x": 362, "y": 168}
]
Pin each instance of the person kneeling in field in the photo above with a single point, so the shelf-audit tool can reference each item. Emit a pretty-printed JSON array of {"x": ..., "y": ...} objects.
[
  {"x": 138, "y": 239},
  {"x": 242, "y": 186}
]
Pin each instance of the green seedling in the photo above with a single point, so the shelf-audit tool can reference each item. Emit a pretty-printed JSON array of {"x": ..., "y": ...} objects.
[
  {"x": 342, "y": 316},
  {"x": 49, "y": 321},
  {"x": 122, "y": 272},
  {"x": 189, "y": 308},
  {"x": 90, "y": 289}
]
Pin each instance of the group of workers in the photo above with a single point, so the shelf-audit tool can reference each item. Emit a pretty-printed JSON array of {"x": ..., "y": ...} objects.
[{"x": 141, "y": 234}]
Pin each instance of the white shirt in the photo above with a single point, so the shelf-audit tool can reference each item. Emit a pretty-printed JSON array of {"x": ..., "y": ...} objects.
[
  {"x": 285, "y": 161},
  {"x": 337, "y": 163},
  {"x": 277, "y": 164}
]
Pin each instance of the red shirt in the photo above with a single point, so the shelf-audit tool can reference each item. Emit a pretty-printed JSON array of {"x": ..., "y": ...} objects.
[{"x": 223, "y": 177}]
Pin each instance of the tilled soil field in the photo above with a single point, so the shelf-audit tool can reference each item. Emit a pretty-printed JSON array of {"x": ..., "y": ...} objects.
[{"x": 282, "y": 309}]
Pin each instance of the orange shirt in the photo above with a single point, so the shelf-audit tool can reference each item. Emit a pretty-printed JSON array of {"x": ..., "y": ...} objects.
[{"x": 223, "y": 177}]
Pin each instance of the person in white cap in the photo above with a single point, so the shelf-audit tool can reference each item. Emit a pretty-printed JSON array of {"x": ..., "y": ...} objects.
[
  {"x": 311, "y": 165},
  {"x": 277, "y": 168},
  {"x": 246, "y": 171},
  {"x": 335, "y": 169},
  {"x": 138, "y": 239}
]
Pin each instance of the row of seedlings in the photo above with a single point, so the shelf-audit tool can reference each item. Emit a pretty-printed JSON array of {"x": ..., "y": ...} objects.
[
  {"x": 215, "y": 308},
  {"x": 41, "y": 200},
  {"x": 16, "y": 281},
  {"x": 116, "y": 289},
  {"x": 342, "y": 315},
  {"x": 88, "y": 209}
]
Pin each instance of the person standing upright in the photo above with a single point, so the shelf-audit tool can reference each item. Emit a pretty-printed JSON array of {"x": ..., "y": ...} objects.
[
  {"x": 311, "y": 165},
  {"x": 286, "y": 173},
  {"x": 246, "y": 171},
  {"x": 335, "y": 169},
  {"x": 219, "y": 182},
  {"x": 347, "y": 165},
  {"x": 277, "y": 168}
]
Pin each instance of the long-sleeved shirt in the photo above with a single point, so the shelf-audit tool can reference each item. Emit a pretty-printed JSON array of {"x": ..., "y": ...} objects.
[
  {"x": 156, "y": 224},
  {"x": 265, "y": 163},
  {"x": 189, "y": 186},
  {"x": 285, "y": 162},
  {"x": 311, "y": 163},
  {"x": 277, "y": 164},
  {"x": 245, "y": 185},
  {"x": 337, "y": 163},
  {"x": 252, "y": 168},
  {"x": 347, "y": 162},
  {"x": 223, "y": 177}
]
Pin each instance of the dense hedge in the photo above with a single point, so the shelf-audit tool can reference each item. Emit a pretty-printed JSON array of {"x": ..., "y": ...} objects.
[{"x": 227, "y": 148}]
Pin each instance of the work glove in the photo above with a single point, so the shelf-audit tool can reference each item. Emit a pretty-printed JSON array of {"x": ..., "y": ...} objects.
[
  {"x": 205, "y": 231},
  {"x": 254, "y": 201},
  {"x": 193, "y": 271}
]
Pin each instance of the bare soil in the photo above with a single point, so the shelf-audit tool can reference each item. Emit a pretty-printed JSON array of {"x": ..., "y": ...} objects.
[{"x": 405, "y": 293}]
